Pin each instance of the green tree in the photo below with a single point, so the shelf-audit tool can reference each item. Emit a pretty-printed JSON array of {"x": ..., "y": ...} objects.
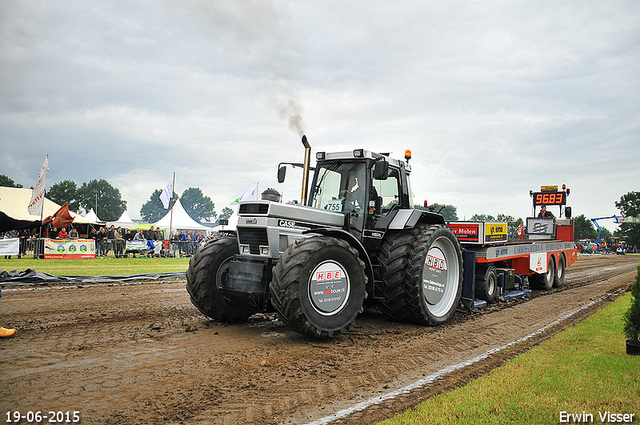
[
  {"x": 629, "y": 206},
  {"x": 65, "y": 191},
  {"x": 153, "y": 210},
  {"x": 512, "y": 225},
  {"x": 198, "y": 206},
  {"x": 584, "y": 228},
  {"x": 226, "y": 213},
  {"x": 106, "y": 199},
  {"x": 449, "y": 212},
  {"x": 6, "y": 181},
  {"x": 482, "y": 217}
]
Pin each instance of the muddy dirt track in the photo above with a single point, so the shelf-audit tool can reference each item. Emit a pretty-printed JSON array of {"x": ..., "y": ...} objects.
[{"x": 141, "y": 353}]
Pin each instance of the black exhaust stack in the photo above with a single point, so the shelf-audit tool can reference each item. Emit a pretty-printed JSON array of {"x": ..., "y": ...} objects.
[{"x": 305, "y": 172}]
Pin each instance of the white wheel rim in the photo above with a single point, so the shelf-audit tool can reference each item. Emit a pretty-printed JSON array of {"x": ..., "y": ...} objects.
[
  {"x": 440, "y": 277},
  {"x": 329, "y": 288}
]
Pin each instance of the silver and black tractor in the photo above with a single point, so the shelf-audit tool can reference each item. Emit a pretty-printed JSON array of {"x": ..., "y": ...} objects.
[{"x": 354, "y": 241}]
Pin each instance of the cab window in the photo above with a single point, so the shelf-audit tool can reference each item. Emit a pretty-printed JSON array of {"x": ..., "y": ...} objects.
[{"x": 388, "y": 190}]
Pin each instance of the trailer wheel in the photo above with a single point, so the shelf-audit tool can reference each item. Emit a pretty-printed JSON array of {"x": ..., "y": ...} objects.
[
  {"x": 434, "y": 276},
  {"x": 544, "y": 280},
  {"x": 560, "y": 272},
  {"x": 319, "y": 286},
  {"x": 392, "y": 257},
  {"x": 207, "y": 268},
  {"x": 487, "y": 283}
]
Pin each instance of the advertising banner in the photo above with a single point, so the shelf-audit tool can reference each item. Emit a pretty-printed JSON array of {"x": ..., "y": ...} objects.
[
  {"x": 136, "y": 246},
  {"x": 10, "y": 246},
  {"x": 466, "y": 232},
  {"x": 495, "y": 232},
  {"x": 545, "y": 227},
  {"x": 538, "y": 262},
  {"x": 69, "y": 248}
]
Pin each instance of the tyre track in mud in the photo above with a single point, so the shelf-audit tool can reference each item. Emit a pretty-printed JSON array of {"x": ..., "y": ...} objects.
[{"x": 142, "y": 353}]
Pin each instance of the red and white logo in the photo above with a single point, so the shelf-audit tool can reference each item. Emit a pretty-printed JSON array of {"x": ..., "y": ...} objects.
[{"x": 328, "y": 275}]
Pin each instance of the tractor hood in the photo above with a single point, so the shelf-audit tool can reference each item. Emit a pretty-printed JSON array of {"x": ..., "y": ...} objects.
[{"x": 300, "y": 216}]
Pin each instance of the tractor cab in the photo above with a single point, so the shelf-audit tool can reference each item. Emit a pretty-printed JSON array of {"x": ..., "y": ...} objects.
[{"x": 363, "y": 185}]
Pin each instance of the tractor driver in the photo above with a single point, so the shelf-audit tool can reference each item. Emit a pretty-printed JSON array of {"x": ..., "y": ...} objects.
[{"x": 354, "y": 196}]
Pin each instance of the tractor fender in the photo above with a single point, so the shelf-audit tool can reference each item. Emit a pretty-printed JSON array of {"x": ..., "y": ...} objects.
[
  {"x": 362, "y": 252},
  {"x": 429, "y": 217},
  {"x": 407, "y": 218},
  {"x": 410, "y": 218}
]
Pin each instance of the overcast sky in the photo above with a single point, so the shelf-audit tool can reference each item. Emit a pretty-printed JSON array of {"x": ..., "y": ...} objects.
[{"x": 494, "y": 98}]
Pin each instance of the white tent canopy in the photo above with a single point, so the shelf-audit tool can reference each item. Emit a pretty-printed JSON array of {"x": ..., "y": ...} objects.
[
  {"x": 181, "y": 220},
  {"x": 14, "y": 202},
  {"x": 91, "y": 215},
  {"x": 124, "y": 221}
]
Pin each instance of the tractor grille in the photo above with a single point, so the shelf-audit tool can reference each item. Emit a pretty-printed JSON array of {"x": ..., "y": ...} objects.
[
  {"x": 254, "y": 237},
  {"x": 253, "y": 209}
]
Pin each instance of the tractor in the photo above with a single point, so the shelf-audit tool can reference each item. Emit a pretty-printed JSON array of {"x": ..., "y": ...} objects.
[{"x": 354, "y": 241}]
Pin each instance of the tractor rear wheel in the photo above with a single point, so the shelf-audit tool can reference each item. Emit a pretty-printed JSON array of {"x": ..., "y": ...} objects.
[
  {"x": 392, "y": 257},
  {"x": 207, "y": 269},
  {"x": 434, "y": 276},
  {"x": 319, "y": 286}
]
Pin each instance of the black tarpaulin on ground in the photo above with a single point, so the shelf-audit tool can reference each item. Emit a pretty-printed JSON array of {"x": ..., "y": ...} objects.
[{"x": 31, "y": 277}]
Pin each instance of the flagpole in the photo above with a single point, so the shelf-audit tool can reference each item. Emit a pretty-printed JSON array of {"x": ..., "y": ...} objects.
[{"x": 173, "y": 185}]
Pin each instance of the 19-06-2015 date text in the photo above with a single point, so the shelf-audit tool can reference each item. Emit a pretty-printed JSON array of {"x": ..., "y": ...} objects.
[{"x": 42, "y": 417}]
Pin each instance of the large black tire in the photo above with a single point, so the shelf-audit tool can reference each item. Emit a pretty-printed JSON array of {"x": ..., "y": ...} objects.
[
  {"x": 392, "y": 257},
  {"x": 434, "y": 276},
  {"x": 308, "y": 295},
  {"x": 486, "y": 283},
  {"x": 560, "y": 272},
  {"x": 544, "y": 280},
  {"x": 207, "y": 268}
]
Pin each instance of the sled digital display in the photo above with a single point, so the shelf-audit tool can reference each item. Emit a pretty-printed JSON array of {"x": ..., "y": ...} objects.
[{"x": 549, "y": 198}]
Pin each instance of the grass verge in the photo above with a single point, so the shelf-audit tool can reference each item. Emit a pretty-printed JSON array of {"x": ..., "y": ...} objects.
[
  {"x": 98, "y": 266},
  {"x": 582, "y": 370}
]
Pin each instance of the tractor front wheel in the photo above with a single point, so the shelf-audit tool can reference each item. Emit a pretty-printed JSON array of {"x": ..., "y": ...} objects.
[
  {"x": 319, "y": 286},
  {"x": 208, "y": 268}
]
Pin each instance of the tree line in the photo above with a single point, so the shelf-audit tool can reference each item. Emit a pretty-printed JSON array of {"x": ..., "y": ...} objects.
[{"x": 108, "y": 204}]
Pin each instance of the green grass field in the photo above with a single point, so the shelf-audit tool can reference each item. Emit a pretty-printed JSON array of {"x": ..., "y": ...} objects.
[
  {"x": 584, "y": 369},
  {"x": 98, "y": 266}
]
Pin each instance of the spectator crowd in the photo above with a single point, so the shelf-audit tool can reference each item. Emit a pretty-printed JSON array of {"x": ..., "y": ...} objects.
[{"x": 154, "y": 243}]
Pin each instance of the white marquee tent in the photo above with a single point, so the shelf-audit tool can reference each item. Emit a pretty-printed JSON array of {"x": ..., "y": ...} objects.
[
  {"x": 181, "y": 220},
  {"x": 124, "y": 221},
  {"x": 14, "y": 202},
  {"x": 91, "y": 215}
]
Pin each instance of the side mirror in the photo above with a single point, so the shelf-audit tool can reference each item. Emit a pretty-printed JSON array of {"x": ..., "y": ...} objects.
[
  {"x": 381, "y": 170},
  {"x": 282, "y": 172},
  {"x": 567, "y": 212}
]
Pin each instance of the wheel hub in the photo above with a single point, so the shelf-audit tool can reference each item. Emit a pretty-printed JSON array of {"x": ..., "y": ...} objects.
[
  {"x": 434, "y": 278},
  {"x": 329, "y": 288}
]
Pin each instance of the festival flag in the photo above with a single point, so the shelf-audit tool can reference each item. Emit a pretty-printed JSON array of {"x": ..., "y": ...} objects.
[
  {"x": 61, "y": 218},
  {"x": 249, "y": 195},
  {"x": 37, "y": 194},
  {"x": 167, "y": 194},
  {"x": 520, "y": 230}
]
